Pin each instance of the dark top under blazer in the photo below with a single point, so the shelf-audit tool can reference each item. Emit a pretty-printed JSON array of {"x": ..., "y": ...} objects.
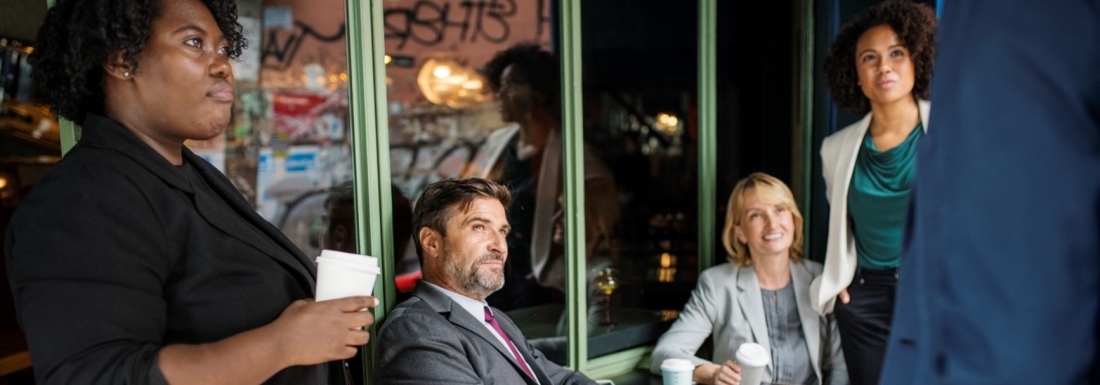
[
  {"x": 430, "y": 339},
  {"x": 115, "y": 254}
]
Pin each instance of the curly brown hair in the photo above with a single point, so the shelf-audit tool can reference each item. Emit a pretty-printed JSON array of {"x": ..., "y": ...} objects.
[
  {"x": 915, "y": 25},
  {"x": 78, "y": 36}
]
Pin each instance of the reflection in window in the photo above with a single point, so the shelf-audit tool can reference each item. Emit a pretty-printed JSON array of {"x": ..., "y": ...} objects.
[{"x": 442, "y": 110}]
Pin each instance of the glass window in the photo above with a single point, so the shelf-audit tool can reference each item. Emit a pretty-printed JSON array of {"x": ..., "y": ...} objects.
[
  {"x": 641, "y": 135},
  {"x": 473, "y": 91}
]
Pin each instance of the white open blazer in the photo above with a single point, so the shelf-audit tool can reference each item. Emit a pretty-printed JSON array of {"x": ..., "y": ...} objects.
[{"x": 838, "y": 161}]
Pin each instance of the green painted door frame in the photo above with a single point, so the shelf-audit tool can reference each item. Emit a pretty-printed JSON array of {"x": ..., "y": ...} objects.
[
  {"x": 370, "y": 146},
  {"x": 572, "y": 125},
  {"x": 708, "y": 131}
]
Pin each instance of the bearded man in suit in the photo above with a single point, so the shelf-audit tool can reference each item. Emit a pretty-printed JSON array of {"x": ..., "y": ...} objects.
[{"x": 447, "y": 333}]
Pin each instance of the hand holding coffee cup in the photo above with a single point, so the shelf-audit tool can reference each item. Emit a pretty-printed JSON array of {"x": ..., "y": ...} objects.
[
  {"x": 753, "y": 360},
  {"x": 310, "y": 332}
]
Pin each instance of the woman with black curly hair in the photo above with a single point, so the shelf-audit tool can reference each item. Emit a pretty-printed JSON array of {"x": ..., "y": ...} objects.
[
  {"x": 526, "y": 156},
  {"x": 136, "y": 262},
  {"x": 880, "y": 65}
]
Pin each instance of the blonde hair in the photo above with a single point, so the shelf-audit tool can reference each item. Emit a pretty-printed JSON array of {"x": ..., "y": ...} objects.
[{"x": 768, "y": 188}]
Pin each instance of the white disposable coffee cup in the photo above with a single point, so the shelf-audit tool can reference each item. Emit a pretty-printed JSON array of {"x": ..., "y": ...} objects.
[
  {"x": 676, "y": 371},
  {"x": 753, "y": 359},
  {"x": 342, "y": 275}
]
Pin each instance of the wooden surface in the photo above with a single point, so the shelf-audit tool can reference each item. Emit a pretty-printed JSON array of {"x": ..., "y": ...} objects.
[{"x": 13, "y": 352}]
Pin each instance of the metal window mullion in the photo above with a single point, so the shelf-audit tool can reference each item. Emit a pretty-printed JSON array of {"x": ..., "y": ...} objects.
[
  {"x": 806, "y": 110},
  {"x": 708, "y": 130},
  {"x": 369, "y": 129},
  {"x": 573, "y": 158}
]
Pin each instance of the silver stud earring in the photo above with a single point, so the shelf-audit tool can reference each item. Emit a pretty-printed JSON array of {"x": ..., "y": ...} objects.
[{"x": 125, "y": 74}]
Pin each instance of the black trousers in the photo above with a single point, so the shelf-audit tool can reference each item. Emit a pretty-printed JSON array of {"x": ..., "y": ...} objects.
[{"x": 864, "y": 323}]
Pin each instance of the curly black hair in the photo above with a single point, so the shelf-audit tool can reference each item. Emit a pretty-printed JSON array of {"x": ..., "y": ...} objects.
[
  {"x": 915, "y": 25},
  {"x": 539, "y": 67},
  {"x": 79, "y": 36}
]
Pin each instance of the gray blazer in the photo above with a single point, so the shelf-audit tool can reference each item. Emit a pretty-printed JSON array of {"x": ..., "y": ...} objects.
[
  {"x": 430, "y": 339},
  {"x": 726, "y": 305}
]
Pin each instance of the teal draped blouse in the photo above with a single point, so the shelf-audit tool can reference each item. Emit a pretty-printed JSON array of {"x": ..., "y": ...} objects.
[{"x": 878, "y": 200}]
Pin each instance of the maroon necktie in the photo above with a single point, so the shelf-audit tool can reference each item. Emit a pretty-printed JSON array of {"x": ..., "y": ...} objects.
[{"x": 507, "y": 341}]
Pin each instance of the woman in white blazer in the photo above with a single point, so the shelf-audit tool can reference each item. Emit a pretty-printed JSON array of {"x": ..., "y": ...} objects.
[
  {"x": 881, "y": 65},
  {"x": 761, "y": 296}
]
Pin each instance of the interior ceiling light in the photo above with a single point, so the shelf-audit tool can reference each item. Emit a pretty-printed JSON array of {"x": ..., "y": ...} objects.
[{"x": 449, "y": 83}]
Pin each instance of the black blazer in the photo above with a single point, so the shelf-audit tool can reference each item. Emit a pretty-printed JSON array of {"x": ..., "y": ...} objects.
[
  {"x": 117, "y": 253},
  {"x": 430, "y": 339}
]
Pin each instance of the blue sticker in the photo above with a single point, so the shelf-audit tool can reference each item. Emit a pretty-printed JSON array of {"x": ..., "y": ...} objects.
[
  {"x": 265, "y": 165},
  {"x": 300, "y": 162}
]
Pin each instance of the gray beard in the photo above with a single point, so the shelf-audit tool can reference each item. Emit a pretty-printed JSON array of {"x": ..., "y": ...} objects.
[{"x": 469, "y": 278}]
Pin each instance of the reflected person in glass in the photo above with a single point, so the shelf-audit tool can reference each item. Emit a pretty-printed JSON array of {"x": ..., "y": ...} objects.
[
  {"x": 526, "y": 156},
  {"x": 135, "y": 261},
  {"x": 761, "y": 295},
  {"x": 340, "y": 229}
]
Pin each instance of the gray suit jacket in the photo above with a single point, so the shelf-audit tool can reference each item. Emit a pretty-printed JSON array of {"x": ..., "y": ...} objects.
[
  {"x": 727, "y": 306},
  {"x": 430, "y": 339}
]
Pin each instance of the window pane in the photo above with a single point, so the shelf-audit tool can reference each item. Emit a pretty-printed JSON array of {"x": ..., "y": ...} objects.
[
  {"x": 640, "y": 126},
  {"x": 446, "y": 121}
]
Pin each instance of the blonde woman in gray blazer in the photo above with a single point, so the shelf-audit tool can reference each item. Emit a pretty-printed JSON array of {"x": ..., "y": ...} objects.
[{"x": 761, "y": 296}]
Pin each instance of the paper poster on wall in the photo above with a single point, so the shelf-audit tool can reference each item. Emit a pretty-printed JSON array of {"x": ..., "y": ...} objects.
[
  {"x": 282, "y": 179},
  {"x": 301, "y": 117}
]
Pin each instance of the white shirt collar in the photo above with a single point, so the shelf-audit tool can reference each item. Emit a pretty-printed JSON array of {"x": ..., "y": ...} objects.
[{"x": 474, "y": 307}]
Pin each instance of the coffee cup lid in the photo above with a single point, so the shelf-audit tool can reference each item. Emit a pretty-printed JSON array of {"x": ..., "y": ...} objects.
[
  {"x": 752, "y": 354},
  {"x": 676, "y": 364},
  {"x": 351, "y": 265},
  {"x": 349, "y": 257}
]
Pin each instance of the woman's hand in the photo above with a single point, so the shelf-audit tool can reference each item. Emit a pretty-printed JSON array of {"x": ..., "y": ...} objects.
[
  {"x": 729, "y": 373},
  {"x": 312, "y": 332},
  {"x": 306, "y": 333},
  {"x": 844, "y": 297}
]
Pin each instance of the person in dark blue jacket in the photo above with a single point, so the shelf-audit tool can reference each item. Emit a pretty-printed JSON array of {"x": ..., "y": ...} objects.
[{"x": 1000, "y": 278}]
